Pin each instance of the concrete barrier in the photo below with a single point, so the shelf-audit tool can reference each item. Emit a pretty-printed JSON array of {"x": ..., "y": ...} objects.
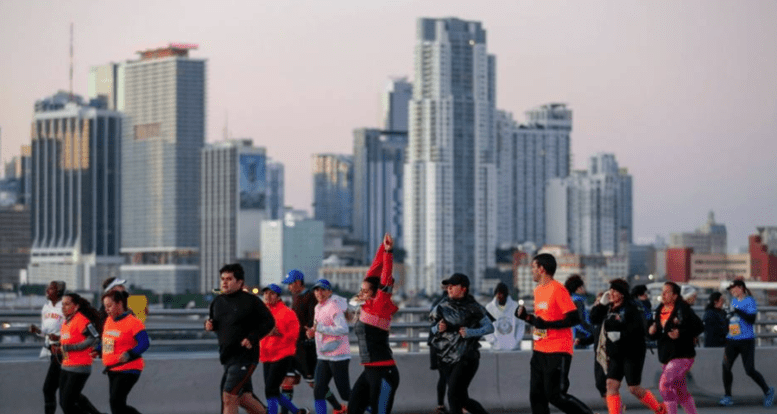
[{"x": 171, "y": 386}]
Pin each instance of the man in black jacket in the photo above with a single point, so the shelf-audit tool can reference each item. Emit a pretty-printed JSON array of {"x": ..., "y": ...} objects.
[{"x": 240, "y": 320}]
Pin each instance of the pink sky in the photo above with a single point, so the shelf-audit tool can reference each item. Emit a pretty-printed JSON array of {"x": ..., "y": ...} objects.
[{"x": 684, "y": 93}]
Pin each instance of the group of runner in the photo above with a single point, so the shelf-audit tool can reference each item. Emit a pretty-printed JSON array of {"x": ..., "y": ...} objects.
[
  {"x": 310, "y": 340},
  {"x": 76, "y": 333}
]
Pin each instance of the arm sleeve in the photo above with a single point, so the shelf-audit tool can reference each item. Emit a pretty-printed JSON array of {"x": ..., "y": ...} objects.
[
  {"x": 142, "y": 344},
  {"x": 339, "y": 328},
  {"x": 211, "y": 312},
  {"x": 598, "y": 313},
  {"x": 264, "y": 322},
  {"x": 485, "y": 327},
  {"x": 377, "y": 263},
  {"x": 92, "y": 337},
  {"x": 571, "y": 319},
  {"x": 387, "y": 275},
  {"x": 748, "y": 317}
]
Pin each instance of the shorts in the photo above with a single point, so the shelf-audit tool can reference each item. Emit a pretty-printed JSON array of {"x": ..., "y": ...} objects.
[
  {"x": 629, "y": 367},
  {"x": 237, "y": 378}
]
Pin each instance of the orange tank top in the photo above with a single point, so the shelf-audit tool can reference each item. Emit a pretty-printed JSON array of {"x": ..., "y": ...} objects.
[
  {"x": 118, "y": 338},
  {"x": 73, "y": 333}
]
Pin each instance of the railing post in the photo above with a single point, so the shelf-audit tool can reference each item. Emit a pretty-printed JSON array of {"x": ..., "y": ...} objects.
[{"x": 413, "y": 345}]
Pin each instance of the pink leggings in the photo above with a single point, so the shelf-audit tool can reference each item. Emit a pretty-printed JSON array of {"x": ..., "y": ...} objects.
[{"x": 673, "y": 388}]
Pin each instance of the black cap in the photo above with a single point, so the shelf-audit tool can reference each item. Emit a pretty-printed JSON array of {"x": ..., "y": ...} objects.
[
  {"x": 457, "y": 279},
  {"x": 621, "y": 286},
  {"x": 738, "y": 282}
]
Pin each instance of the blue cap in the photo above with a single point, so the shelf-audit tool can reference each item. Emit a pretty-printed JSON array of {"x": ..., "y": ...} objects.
[
  {"x": 275, "y": 288},
  {"x": 323, "y": 284},
  {"x": 293, "y": 276}
]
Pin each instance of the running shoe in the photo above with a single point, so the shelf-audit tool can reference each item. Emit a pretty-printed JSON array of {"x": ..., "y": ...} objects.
[
  {"x": 343, "y": 410},
  {"x": 726, "y": 401},
  {"x": 769, "y": 397},
  {"x": 662, "y": 409}
]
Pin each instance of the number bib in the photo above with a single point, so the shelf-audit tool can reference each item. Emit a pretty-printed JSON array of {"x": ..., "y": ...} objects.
[
  {"x": 734, "y": 329},
  {"x": 539, "y": 334},
  {"x": 108, "y": 345}
]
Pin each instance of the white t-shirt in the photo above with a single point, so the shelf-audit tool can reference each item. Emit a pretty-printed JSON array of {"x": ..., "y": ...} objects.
[{"x": 51, "y": 319}]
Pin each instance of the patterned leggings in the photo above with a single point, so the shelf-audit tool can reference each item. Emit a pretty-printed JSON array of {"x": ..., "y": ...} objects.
[{"x": 673, "y": 387}]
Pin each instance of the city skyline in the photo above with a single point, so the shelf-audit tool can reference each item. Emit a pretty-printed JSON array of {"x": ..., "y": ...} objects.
[{"x": 682, "y": 94}]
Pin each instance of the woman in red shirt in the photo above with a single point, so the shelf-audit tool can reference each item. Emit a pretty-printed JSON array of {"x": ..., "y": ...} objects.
[
  {"x": 78, "y": 335},
  {"x": 124, "y": 340}
]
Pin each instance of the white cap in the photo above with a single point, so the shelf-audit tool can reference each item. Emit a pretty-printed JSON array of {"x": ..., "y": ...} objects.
[
  {"x": 687, "y": 292},
  {"x": 116, "y": 282}
]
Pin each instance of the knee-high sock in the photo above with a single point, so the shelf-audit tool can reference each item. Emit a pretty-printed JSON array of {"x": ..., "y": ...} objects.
[
  {"x": 320, "y": 406},
  {"x": 614, "y": 404},
  {"x": 649, "y": 400}
]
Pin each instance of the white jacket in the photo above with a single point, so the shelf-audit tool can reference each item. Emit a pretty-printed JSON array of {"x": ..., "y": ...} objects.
[{"x": 508, "y": 330}]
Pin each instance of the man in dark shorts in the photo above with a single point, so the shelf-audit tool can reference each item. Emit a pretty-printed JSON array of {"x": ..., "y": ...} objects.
[
  {"x": 240, "y": 320},
  {"x": 303, "y": 303}
]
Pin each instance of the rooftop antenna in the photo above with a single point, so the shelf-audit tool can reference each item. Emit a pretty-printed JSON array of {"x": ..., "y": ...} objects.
[
  {"x": 226, "y": 125},
  {"x": 71, "y": 61}
]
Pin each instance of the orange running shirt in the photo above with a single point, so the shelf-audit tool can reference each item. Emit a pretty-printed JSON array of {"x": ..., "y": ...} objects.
[
  {"x": 118, "y": 338},
  {"x": 73, "y": 333},
  {"x": 551, "y": 303}
]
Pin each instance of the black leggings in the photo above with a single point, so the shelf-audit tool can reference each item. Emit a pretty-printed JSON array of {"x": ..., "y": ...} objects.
[
  {"x": 375, "y": 387},
  {"x": 50, "y": 386},
  {"x": 70, "y": 398},
  {"x": 325, "y": 371},
  {"x": 119, "y": 385},
  {"x": 550, "y": 382},
  {"x": 746, "y": 347},
  {"x": 458, "y": 377},
  {"x": 274, "y": 373}
]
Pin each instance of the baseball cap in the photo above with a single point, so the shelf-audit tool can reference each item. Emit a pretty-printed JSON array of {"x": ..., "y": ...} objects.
[
  {"x": 457, "y": 279},
  {"x": 323, "y": 284},
  {"x": 293, "y": 276},
  {"x": 275, "y": 288},
  {"x": 738, "y": 282}
]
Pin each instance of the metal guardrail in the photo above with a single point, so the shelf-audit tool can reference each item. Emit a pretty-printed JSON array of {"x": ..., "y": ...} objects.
[{"x": 183, "y": 327}]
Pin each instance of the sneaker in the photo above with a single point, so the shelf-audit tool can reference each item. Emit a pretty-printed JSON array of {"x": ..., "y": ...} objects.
[
  {"x": 726, "y": 401},
  {"x": 343, "y": 410},
  {"x": 769, "y": 397},
  {"x": 661, "y": 409}
]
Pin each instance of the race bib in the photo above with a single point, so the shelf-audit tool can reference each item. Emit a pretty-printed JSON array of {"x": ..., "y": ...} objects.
[
  {"x": 539, "y": 334},
  {"x": 733, "y": 329},
  {"x": 108, "y": 345}
]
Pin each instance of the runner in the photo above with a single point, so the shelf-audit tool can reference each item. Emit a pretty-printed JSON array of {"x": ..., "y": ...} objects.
[
  {"x": 330, "y": 331},
  {"x": 715, "y": 322},
  {"x": 240, "y": 320},
  {"x": 277, "y": 350},
  {"x": 51, "y": 319},
  {"x": 552, "y": 334},
  {"x": 377, "y": 385},
  {"x": 124, "y": 341},
  {"x": 460, "y": 322},
  {"x": 583, "y": 332},
  {"x": 508, "y": 330},
  {"x": 675, "y": 327},
  {"x": 741, "y": 340},
  {"x": 80, "y": 332},
  {"x": 621, "y": 347},
  {"x": 303, "y": 303}
]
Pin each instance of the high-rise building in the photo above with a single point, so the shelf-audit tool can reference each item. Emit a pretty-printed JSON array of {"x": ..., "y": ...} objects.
[
  {"x": 450, "y": 171},
  {"x": 591, "y": 211},
  {"x": 75, "y": 187},
  {"x": 527, "y": 156},
  {"x": 288, "y": 244},
  {"x": 710, "y": 238},
  {"x": 15, "y": 242},
  {"x": 333, "y": 189},
  {"x": 378, "y": 165},
  {"x": 233, "y": 203},
  {"x": 164, "y": 104},
  {"x": 396, "y": 99},
  {"x": 275, "y": 190},
  {"x": 106, "y": 82}
]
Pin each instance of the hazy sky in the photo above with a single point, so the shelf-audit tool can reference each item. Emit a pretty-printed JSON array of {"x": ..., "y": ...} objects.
[{"x": 683, "y": 92}]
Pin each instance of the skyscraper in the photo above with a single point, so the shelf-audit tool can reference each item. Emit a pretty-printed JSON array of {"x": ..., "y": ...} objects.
[
  {"x": 164, "y": 102},
  {"x": 396, "y": 99},
  {"x": 450, "y": 172},
  {"x": 75, "y": 189},
  {"x": 275, "y": 190},
  {"x": 333, "y": 189},
  {"x": 528, "y": 156},
  {"x": 591, "y": 211},
  {"x": 233, "y": 204},
  {"x": 378, "y": 164}
]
